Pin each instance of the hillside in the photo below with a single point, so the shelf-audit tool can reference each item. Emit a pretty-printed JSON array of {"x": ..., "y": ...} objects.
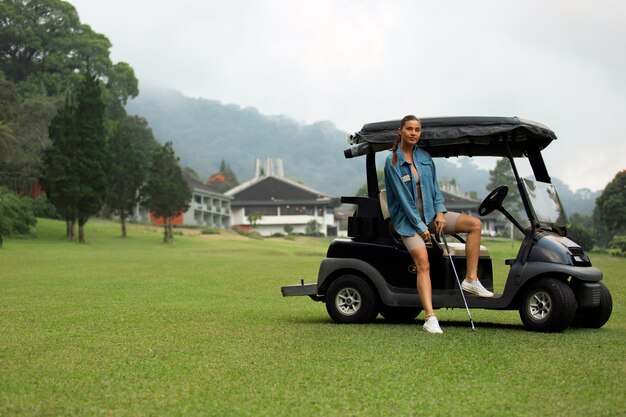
[{"x": 205, "y": 132}]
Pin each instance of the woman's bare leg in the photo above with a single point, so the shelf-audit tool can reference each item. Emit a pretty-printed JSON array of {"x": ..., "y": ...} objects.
[
  {"x": 473, "y": 227},
  {"x": 424, "y": 287}
]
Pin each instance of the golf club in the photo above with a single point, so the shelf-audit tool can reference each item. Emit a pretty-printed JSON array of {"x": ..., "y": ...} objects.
[{"x": 458, "y": 280}]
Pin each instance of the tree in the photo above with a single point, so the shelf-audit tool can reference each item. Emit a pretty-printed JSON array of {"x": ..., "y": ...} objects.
[
  {"x": 581, "y": 231},
  {"x": 166, "y": 192},
  {"x": 142, "y": 140},
  {"x": 254, "y": 218},
  {"x": 312, "y": 228},
  {"x": 93, "y": 159},
  {"x": 44, "y": 48},
  {"x": 223, "y": 180},
  {"x": 78, "y": 161},
  {"x": 581, "y": 235},
  {"x": 31, "y": 132},
  {"x": 46, "y": 51},
  {"x": 23, "y": 136},
  {"x": 609, "y": 214},
  {"x": 618, "y": 243},
  {"x": 502, "y": 174},
  {"x": 60, "y": 179},
  {"x": 121, "y": 85},
  {"x": 9, "y": 109},
  {"x": 125, "y": 176}
]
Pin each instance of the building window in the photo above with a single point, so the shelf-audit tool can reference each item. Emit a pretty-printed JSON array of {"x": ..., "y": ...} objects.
[
  {"x": 296, "y": 210},
  {"x": 263, "y": 210}
]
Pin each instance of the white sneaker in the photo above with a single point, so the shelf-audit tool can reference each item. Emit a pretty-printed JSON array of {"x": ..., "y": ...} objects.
[
  {"x": 432, "y": 325},
  {"x": 475, "y": 287}
]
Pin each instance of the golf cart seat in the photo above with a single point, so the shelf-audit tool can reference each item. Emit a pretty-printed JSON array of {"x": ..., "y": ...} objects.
[{"x": 456, "y": 248}]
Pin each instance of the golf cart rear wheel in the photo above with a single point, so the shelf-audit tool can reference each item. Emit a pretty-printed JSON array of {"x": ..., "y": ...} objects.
[
  {"x": 548, "y": 305},
  {"x": 596, "y": 317},
  {"x": 351, "y": 299},
  {"x": 399, "y": 314}
]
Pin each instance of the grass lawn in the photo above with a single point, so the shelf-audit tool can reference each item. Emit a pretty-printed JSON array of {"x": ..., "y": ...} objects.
[{"x": 135, "y": 327}]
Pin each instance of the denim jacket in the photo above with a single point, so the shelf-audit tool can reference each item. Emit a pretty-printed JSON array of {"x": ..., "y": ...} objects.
[{"x": 401, "y": 195}]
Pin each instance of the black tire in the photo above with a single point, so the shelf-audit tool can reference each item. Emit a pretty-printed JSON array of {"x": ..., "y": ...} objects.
[
  {"x": 351, "y": 299},
  {"x": 399, "y": 314},
  {"x": 548, "y": 305},
  {"x": 594, "y": 318}
]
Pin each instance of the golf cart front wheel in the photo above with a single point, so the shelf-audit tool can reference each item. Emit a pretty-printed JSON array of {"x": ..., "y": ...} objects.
[
  {"x": 351, "y": 299},
  {"x": 548, "y": 305}
]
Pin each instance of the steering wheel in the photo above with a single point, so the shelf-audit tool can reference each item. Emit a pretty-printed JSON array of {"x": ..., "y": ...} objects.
[{"x": 493, "y": 200}]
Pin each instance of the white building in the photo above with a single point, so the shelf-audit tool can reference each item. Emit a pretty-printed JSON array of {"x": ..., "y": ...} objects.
[
  {"x": 207, "y": 208},
  {"x": 279, "y": 203}
]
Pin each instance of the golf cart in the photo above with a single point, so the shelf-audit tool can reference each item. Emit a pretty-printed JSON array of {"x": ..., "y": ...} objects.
[{"x": 551, "y": 280}]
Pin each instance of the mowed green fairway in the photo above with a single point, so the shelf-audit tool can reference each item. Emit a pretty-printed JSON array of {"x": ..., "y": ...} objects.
[{"x": 135, "y": 327}]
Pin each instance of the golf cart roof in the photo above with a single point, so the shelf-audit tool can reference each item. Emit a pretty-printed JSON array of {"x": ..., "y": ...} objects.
[{"x": 458, "y": 136}]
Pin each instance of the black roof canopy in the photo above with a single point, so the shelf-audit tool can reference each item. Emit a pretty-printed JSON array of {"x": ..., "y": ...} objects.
[{"x": 458, "y": 136}]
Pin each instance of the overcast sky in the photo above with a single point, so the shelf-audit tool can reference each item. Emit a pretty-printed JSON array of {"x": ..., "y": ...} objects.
[{"x": 562, "y": 63}]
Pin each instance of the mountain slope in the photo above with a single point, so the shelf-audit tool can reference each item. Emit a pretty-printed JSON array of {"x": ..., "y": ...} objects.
[{"x": 205, "y": 132}]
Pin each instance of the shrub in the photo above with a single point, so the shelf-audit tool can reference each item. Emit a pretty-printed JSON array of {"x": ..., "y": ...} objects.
[
  {"x": 618, "y": 245},
  {"x": 16, "y": 214},
  {"x": 251, "y": 235},
  {"x": 210, "y": 231},
  {"x": 42, "y": 207},
  {"x": 312, "y": 228}
]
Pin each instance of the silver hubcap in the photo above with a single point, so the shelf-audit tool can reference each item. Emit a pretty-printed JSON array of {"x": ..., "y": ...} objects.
[
  {"x": 540, "y": 305},
  {"x": 348, "y": 301}
]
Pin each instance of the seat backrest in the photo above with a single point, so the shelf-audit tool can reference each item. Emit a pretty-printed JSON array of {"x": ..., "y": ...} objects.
[{"x": 383, "y": 204}]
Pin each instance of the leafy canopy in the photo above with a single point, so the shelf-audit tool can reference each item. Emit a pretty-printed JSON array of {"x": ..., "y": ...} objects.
[
  {"x": 166, "y": 191},
  {"x": 610, "y": 211}
]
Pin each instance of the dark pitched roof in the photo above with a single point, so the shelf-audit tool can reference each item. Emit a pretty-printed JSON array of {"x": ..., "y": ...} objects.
[{"x": 276, "y": 190}]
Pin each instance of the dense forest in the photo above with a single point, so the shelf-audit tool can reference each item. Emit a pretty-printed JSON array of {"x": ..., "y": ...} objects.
[{"x": 205, "y": 132}]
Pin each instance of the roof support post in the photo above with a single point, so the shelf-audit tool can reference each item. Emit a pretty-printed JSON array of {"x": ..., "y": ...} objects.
[
  {"x": 520, "y": 185},
  {"x": 372, "y": 177}
]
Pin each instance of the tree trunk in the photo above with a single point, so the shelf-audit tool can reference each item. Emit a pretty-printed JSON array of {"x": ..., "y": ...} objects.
[
  {"x": 70, "y": 222},
  {"x": 123, "y": 220},
  {"x": 165, "y": 232},
  {"x": 81, "y": 233}
]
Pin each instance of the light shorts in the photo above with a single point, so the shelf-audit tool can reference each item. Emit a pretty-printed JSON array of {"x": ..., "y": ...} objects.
[{"x": 416, "y": 241}]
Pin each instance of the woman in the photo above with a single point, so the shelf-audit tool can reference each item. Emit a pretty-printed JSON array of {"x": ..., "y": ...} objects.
[{"x": 417, "y": 210}]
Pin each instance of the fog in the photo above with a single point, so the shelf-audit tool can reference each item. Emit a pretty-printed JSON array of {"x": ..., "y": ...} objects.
[{"x": 350, "y": 61}]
